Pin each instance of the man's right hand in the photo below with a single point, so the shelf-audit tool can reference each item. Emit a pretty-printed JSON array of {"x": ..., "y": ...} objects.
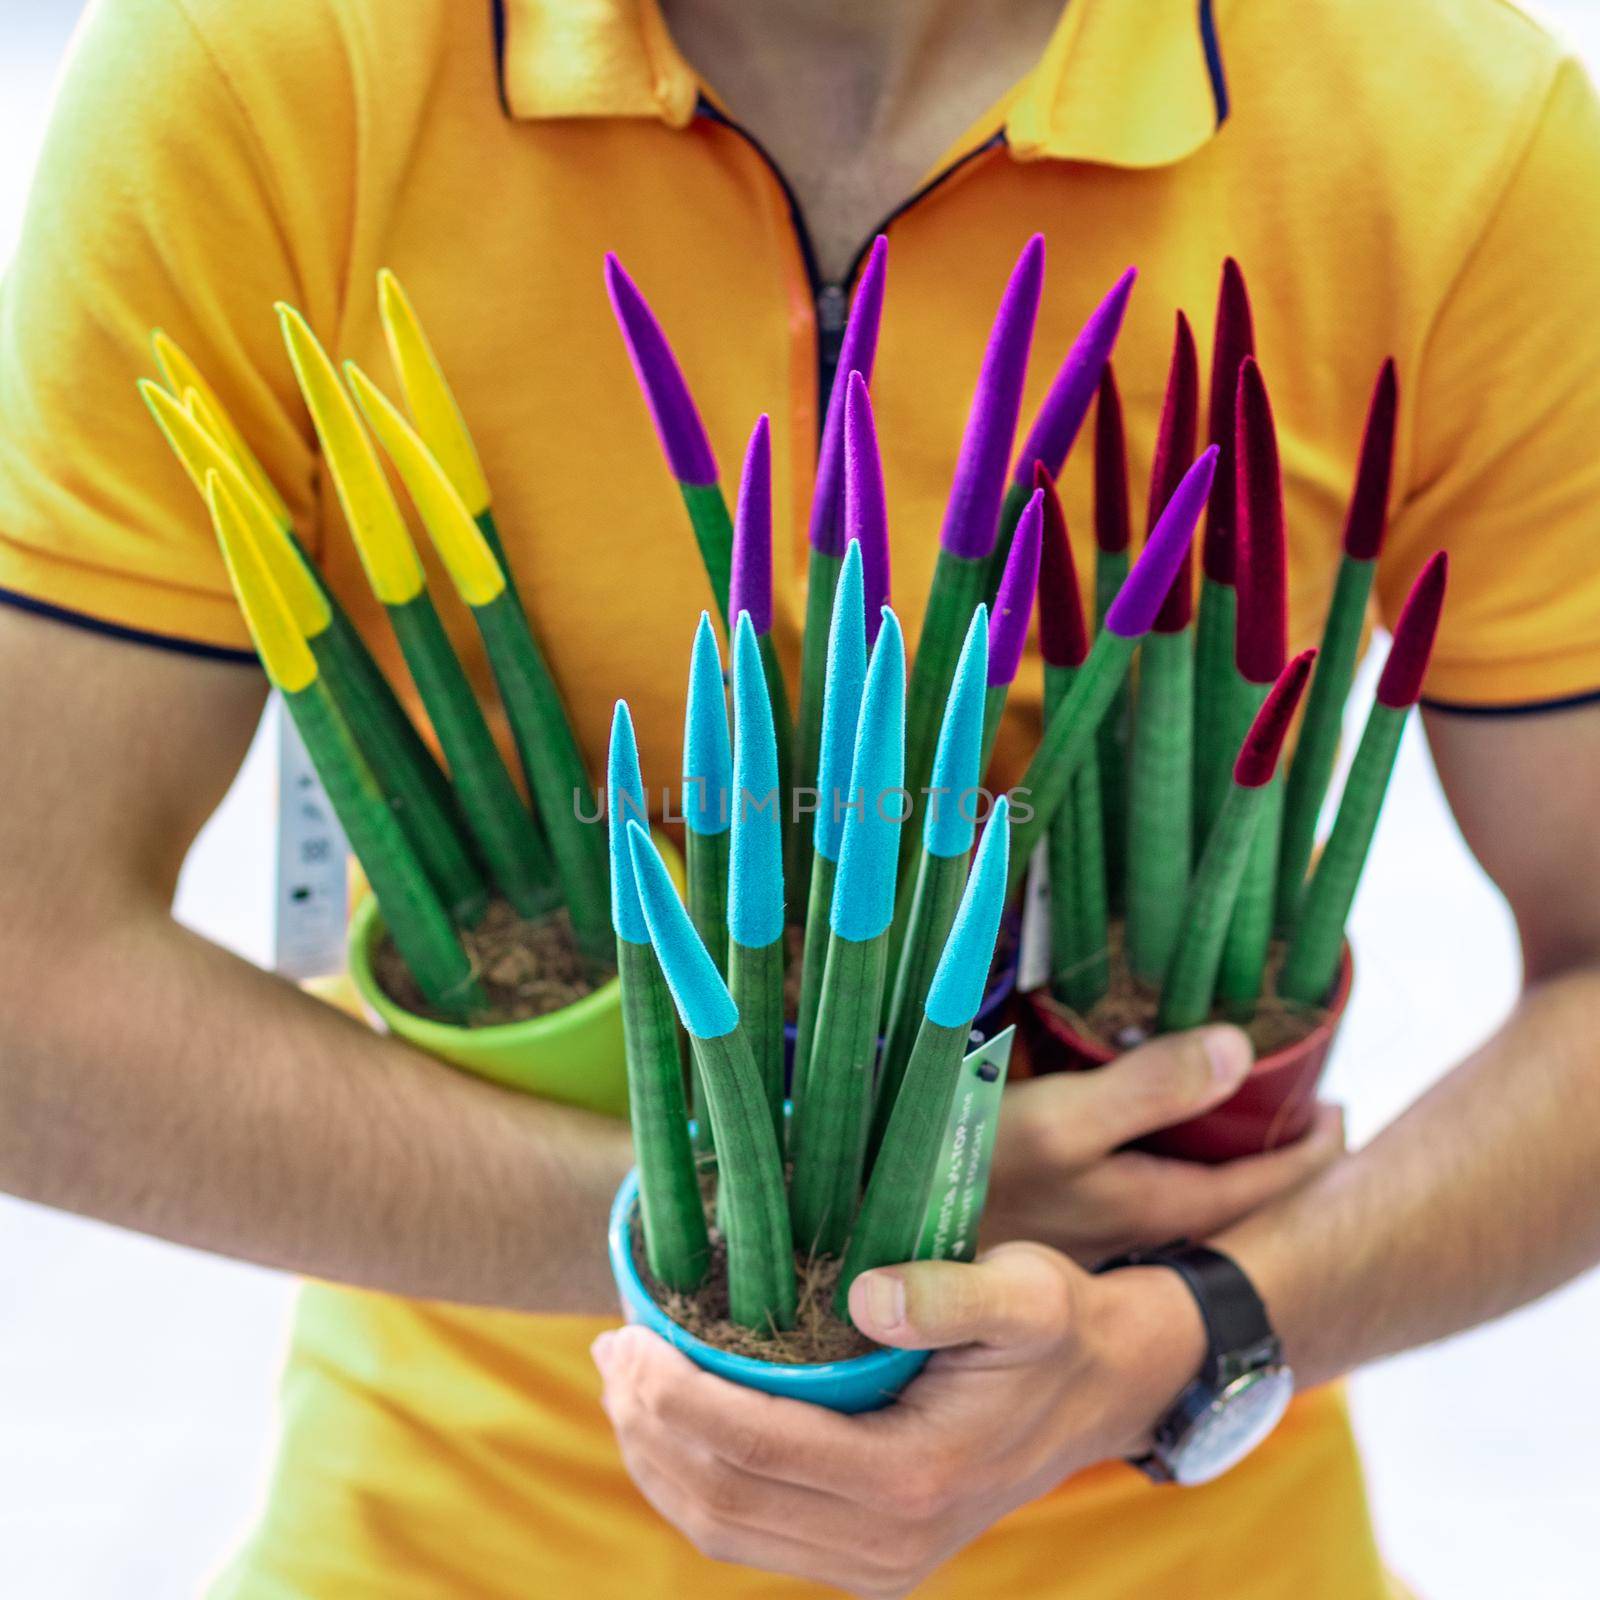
[{"x": 1062, "y": 1177}]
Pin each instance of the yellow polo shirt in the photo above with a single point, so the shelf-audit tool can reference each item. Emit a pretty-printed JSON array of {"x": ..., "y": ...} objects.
[{"x": 1421, "y": 180}]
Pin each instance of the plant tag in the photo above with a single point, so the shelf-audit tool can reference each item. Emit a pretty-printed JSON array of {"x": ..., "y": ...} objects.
[
  {"x": 961, "y": 1177},
  {"x": 1033, "y": 955},
  {"x": 311, "y": 884}
]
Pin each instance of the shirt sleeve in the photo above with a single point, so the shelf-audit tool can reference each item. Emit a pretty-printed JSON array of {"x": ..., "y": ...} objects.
[
  {"x": 1504, "y": 468},
  {"x": 157, "y": 203}
]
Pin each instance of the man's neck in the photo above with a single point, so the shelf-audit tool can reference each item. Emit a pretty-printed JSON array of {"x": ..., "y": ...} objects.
[{"x": 857, "y": 101}]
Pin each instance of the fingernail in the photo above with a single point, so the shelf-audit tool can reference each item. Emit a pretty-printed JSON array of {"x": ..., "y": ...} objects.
[
  {"x": 884, "y": 1297},
  {"x": 601, "y": 1352},
  {"x": 1229, "y": 1055}
]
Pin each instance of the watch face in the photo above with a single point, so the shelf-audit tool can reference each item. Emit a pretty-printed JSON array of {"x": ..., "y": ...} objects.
[{"x": 1231, "y": 1426}]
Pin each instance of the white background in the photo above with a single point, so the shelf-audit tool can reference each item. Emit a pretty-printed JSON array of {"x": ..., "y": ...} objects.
[{"x": 136, "y": 1378}]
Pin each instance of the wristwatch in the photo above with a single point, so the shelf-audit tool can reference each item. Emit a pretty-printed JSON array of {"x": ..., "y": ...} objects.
[{"x": 1244, "y": 1387}]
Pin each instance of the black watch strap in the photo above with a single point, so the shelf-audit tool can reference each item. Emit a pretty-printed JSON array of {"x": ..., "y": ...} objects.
[{"x": 1236, "y": 1322}]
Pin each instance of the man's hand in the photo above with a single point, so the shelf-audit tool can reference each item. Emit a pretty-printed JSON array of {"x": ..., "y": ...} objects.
[
  {"x": 1042, "y": 1371},
  {"x": 1061, "y": 1176}
]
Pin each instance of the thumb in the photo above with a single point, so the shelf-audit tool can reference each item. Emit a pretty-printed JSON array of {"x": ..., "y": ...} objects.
[
  {"x": 1165, "y": 1081},
  {"x": 1018, "y": 1297}
]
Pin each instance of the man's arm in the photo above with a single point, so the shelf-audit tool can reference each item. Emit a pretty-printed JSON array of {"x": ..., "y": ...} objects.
[
  {"x": 150, "y": 1079},
  {"x": 1486, "y": 1193}
]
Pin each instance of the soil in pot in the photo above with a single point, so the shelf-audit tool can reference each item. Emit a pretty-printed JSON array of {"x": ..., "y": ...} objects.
[
  {"x": 529, "y": 967},
  {"x": 1126, "y": 1015},
  {"x": 817, "y": 1335}
]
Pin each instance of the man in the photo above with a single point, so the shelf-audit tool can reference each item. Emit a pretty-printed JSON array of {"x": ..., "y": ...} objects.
[{"x": 1420, "y": 182}]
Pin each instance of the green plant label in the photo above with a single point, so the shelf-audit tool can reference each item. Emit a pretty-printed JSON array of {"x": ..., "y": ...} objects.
[{"x": 961, "y": 1177}]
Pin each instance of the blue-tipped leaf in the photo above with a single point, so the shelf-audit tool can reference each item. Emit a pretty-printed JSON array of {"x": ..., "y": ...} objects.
[
  {"x": 841, "y": 705},
  {"x": 963, "y": 971},
  {"x": 950, "y": 821},
  {"x": 755, "y": 871},
  {"x": 707, "y": 753},
  {"x": 863, "y": 896},
  {"x": 625, "y": 803},
  {"x": 704, "y": 1005}
]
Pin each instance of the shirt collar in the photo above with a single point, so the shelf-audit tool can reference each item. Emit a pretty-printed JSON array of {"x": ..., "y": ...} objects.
[{"x": 1120, "y": 84}]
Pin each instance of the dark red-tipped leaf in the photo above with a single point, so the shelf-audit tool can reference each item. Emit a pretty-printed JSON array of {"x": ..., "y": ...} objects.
[
  {"x": 1400, "y": 683},
  {"x": 1063, "y": 636},
  {"x": 1261, "y": 642},
  {"x": 1111, "y": 526},
  {"x": 1175, "y": 447},
  {"x": 1368, "y": 513},
  {"x": 1233, "y": 340},
  {"x": 1258, "y": 755}
]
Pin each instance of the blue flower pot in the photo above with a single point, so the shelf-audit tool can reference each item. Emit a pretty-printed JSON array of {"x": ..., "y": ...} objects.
[{"x": 863, "y": 1384}]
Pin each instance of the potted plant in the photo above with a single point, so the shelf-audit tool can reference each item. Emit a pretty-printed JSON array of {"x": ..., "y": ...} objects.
[
  {"x": 1201, "y": 863},
  {"x": 486, "y": 940},
  {"x": 744, "y": 1257}
]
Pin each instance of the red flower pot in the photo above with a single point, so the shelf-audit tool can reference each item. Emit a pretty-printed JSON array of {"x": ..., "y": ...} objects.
[{"x": 1273, "y": 1106}]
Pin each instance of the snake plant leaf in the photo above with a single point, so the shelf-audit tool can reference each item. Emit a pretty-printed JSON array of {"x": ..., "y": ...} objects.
[
  {"x": 1232, "y": 341},
  {"x": 369, "y": 506},
  {"x": 1063, "y": 637},
  {"x": 678, "y": 428},
  {"x": 416, "y": 918},
  {"x": 666, "y": 391},
  {"x": 431, "y": 400},
  {"x": 1318, "y": 746},
  {"x": 1013, "y": 611},
  {"x": 676, "y": 1242},
  {"x": 866, "y": 512},
  {"x": 1066, "y": 403},
  {"x": 857, "y": 356},
  {"x": 1174, "y": 454},
  {"x": 972, "y": 513},
  {"x": 182, "y": 375},
  {"x": 1192, "y": 978},
  {"x": 841, "y": 716},
  {"x": 751, "y": 1204},
  {"x": 895, "y": 1202}
]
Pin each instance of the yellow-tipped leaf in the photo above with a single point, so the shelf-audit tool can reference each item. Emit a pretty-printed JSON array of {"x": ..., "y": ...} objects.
[
  {"x": 380, "y": 533},
  {"x": 182, "y": 375},
  {"x": 460, "y": 543},
  {"x": 428, "y": 394},
  {"x": 202, "y": 454},
  {"x": 280, "y": 644}
]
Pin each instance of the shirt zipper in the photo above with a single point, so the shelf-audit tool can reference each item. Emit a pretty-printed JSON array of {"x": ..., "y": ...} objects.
[{"x": 831, "y": 301}]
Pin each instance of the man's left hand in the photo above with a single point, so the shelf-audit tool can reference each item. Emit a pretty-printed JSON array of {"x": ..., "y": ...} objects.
[{"x": 1041, "y": 1370}]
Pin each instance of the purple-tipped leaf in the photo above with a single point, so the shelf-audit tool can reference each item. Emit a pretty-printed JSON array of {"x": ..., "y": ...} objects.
[
  {"x": 1013, "y": 605},
  {"x": 972, "y": 516},
  {"x": 1074, "y": 386},
  {"x": 1133, "y": 613},
  {"x": 857, "y": 353},
  {"x": 750, "y": 586},
  {"x": 672, "y": 408},
  {"x": 866, "y": 513}
]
